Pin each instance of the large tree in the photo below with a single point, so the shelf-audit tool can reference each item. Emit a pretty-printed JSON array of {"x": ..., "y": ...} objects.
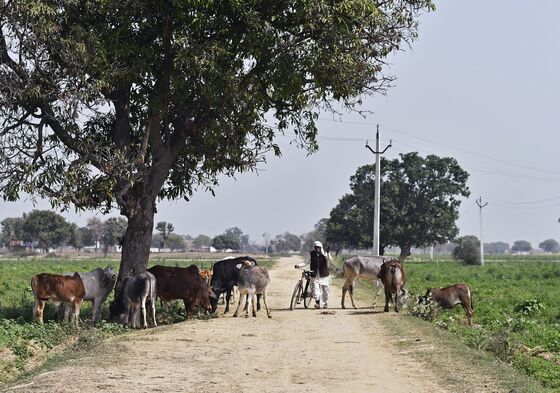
[
  {"x": 550, "y": 245},
  {"x": 165, "y": 229},
  {"x": 46, "y": 228},
  {"x": 11, "y": 230},
  {"x": 419, "y": 204},
  {"x": 108, "y": 104},
  {"x": 317, "y": 234},
  {"x": 287, "y": 242},
  {"x": 521, "y": 246}
]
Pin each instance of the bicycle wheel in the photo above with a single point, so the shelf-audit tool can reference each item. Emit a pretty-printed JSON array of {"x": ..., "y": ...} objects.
[
  {"x": 296, "y": 295},
  {"x": 307, "y": 296}
]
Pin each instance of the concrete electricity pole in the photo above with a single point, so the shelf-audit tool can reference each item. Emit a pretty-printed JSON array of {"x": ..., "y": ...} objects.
[
  {"x": 480, "y": 206},
  {"x": 377, "y": 196}
]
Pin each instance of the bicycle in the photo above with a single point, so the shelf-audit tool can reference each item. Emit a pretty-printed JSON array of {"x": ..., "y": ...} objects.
[{"x": 302, "y": 291}]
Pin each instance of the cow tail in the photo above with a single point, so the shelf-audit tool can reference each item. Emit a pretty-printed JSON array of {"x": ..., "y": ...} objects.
[{"x": 470, "y": 297}]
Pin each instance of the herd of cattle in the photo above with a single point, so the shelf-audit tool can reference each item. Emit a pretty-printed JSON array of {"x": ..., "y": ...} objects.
[
  {"x": 389, "y": 274},
  {"x": 135, "y": 300},
  {"x": 201, "y": 289}
]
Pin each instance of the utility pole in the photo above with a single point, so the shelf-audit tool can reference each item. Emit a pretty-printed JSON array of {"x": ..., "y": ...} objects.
[
  {"x": 480, "y": 206},
  {"x": 377, "y": 196}
]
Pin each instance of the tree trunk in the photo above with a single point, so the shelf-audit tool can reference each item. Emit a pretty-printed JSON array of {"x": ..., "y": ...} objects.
[
  {"x": 137, "y": 239},
  {"x": 405, "y": 252}
]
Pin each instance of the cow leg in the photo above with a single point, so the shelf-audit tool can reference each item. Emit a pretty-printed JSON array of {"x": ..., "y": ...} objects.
[
  {"x": 469, "y": 312},
  {"x": 266, "y": 305},
  {"x": 153, "y": 308},
  {"x": 76, "y": 314},
  {"x": 351, "y": 285},
  {"x": 143, "y": 311},
  {"x": 344, "y": 290},
  {"x": 248, "y": 303},
  {"x": 378, "y": 285},
  {"x": 60, "y": 312},
  {"x": 95, "y": 310},
  {"x": 397, "y": 298},
  {"x": 259, "y": 301},
  {"x": 253, "y": 303},
  {"x": 238, "y": 306},
  {"x": 38, "y": 308},
  {"x": 228, "y": 297},
  {"x": 68, "y": 311},
  {"x": 387, "y": 297},
  {"x": 131, "y": 317}
]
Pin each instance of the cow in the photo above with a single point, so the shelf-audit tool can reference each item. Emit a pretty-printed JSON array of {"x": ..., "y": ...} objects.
[
  {"x": 130, "y": 304},
  {"x": 365, "y": 267},
  {"x": 225, "y": 275},
  {"x": 98, "y": 283},
  {"x": 206, "y": 275},
  {"x": 58, "y": 289},
  {"x": 393, "y": 278},
  {"x": 449, "y": 297},
  {"x": 253, "y": 280},
  {"x": 182, "y": 283}
]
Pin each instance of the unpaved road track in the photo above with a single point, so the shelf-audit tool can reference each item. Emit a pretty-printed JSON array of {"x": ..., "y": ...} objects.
[{"x": 295, "y": 351}]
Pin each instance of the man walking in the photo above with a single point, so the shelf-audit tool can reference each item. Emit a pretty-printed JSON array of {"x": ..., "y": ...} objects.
[{"x": 319, "y": 267}]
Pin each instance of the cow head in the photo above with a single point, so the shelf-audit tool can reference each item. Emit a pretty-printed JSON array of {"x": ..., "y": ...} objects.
[
  {"x": 109, "y": 276},
  {"x": 245, "y": 264},
  {"x": 426, "y": 298}
]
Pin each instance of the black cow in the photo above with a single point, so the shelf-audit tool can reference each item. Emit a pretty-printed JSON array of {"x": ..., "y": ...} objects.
[
  {"x": 129, "y": 306},
  {"x": 225, "y": 275}
]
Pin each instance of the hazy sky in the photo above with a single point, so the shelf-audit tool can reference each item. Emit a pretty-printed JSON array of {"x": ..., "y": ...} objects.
[{"x": 481, "y": 84}]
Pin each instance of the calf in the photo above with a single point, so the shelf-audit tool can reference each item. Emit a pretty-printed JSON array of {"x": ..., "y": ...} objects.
[
  {"x": 253, "y": 280},
  {"x": 393, "y": 278},
  {"x": 58, "y": 289},
  {"x": 130, "y": 304},
  {"x": 449, "y": 297},
  {"x": 182, "y": 283},
  {"x": 98, "y": 283},
  {"x": 225, "y": 276}
]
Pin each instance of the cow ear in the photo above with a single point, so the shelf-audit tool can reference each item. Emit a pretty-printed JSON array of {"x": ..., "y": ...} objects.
[{"x": 239, "y": 265}]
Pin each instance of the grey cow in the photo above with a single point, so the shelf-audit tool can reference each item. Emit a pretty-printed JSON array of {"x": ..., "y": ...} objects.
[
  {"x": 253, "y": 280},
  {"x": 366, "y": 268},
  {"x": 98, "y": 283}
]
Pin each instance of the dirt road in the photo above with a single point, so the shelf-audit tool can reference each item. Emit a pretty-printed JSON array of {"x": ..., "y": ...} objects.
[{"x": 295, "y": 351}]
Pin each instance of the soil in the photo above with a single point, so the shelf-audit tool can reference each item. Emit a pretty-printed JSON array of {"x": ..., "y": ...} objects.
[{"x": 311, "y": 350}]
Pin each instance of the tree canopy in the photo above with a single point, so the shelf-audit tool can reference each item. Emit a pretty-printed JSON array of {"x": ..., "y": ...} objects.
[
  {"x": 118, "y": 103},
  {"x": 286, "y": 242},
  {"x": 419, "y": 204},
  {"x": 550, "y": 245},
  {"x": 521, "y": 246},
  {"x": 468, "y": 250},
  {"x": 46, "y": 228}
]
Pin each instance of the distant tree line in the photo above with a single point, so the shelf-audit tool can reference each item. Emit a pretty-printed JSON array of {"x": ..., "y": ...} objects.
[{"x": 47, "y": 230}]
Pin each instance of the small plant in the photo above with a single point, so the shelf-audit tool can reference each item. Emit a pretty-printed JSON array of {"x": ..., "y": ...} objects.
[{"x": 529, "y": 307}]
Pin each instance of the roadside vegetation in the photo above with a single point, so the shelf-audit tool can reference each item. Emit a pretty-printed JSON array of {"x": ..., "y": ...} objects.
[
  {"x": 515, "y": 301},
  {"x": 25, "y": 345}
]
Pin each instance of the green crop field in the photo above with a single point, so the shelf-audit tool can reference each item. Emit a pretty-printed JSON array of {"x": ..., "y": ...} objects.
[
  {"x": 516, "y": 309},
  {"x": 23, "y": 341}
]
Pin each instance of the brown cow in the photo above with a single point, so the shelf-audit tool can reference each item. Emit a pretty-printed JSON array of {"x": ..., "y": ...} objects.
[
  {"x": 392, "y": 275},
  {"x": 451, "y": 296},
  {"x": 182, "y": 283},
  {"x": 206, "y": 275},
  {"x": 58, "y": 289}
]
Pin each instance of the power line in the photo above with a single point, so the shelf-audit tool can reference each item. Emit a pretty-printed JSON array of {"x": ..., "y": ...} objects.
[{"x": 448, "y": 146}]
